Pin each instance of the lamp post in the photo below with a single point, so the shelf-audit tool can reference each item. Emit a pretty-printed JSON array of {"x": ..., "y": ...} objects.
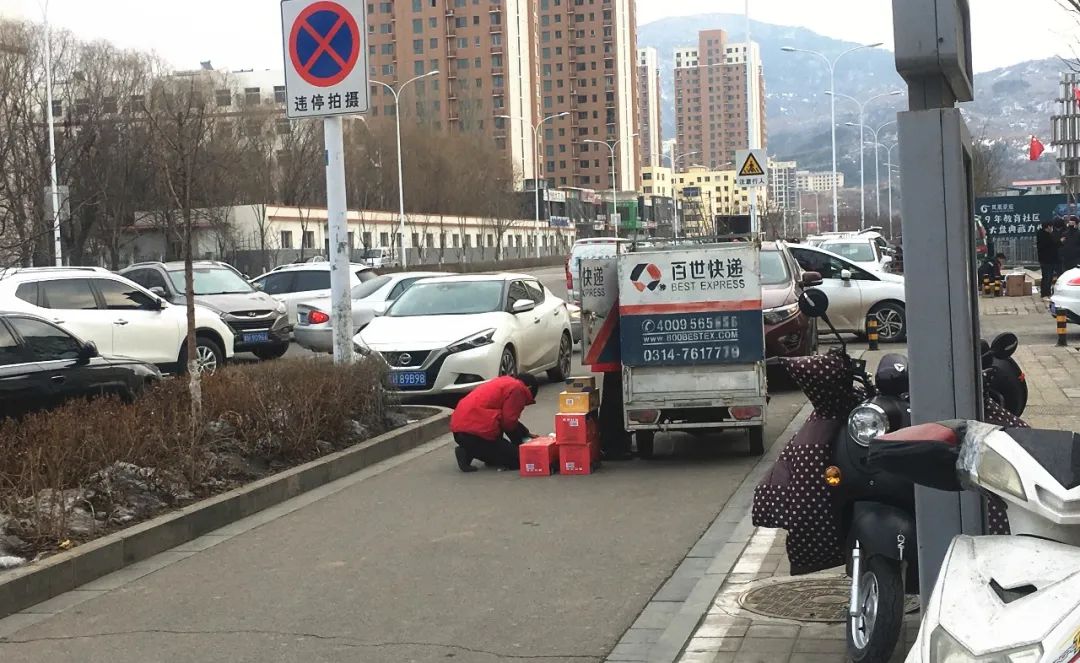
[
  {"x": 400, "y": 172},
  {"x": 862, "y": 171},
  {"x": 675, "y": 160},
  {"x": 614, "y": 195},
  {"x": 877, "y": 160},
  {"x": 54, "y": 185},
  {"x": 889, "y": 174},
  {"x": 831, "y": 64},
  {"x": 537, "y": 170}
]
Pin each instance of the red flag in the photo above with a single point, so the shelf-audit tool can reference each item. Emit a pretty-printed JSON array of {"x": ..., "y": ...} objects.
[
  {"x": 1036, "y": 150},
  {"x": 1076, "y": 93}
]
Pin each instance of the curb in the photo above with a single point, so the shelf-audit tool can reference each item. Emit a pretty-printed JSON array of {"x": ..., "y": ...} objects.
[{"x": 30, "y": 585}]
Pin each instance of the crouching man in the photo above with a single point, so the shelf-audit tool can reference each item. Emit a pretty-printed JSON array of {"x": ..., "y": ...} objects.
[{"x": 487, "y": 423}]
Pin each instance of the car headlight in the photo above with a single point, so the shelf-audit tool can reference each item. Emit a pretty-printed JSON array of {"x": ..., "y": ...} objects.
[
  {"x": 945, "y": 649},
  {"x": 774, "y": 316},
  {"x": 281, "y": 309},
  {"x": 575, "y": 313},
  {"x": 479, "y": 340},
  {"x": 993, "y": 471},
  {"x": 866, "y": 422}
]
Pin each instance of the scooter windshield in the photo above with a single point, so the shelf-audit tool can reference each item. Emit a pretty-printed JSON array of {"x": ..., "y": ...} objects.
[{"x": 1057, "y": 451}]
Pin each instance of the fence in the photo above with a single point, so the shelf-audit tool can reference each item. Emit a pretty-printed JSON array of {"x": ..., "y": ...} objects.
[
  {"x": 254, "y": 263},
  {"x": 1019, "y": 251}
]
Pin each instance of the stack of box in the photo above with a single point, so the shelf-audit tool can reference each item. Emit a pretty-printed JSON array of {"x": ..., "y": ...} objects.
[
  {"x": 1017, "y": 285},
  {"x": 577, "y": 429},
  {"x": 538, "y": 458}
]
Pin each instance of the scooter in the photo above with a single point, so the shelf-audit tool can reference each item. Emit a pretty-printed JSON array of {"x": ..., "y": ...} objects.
[
  {"x": 999, "y": 599},
  {"x": 868, "y": 520}
]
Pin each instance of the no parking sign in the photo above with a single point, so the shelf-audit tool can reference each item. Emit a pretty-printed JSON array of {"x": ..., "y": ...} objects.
[{"x": 326, "y": 70}]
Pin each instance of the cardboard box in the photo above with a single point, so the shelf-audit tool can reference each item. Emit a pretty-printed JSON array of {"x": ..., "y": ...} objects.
[
  {"x": 581, "y": 384},
  {"x": 1015, "y": 285},
  {"x": 577, "y": 429},
  {"x": 538, "y": 458},
  {"x": 578, "y": 402},
  {"x": 578, "y": 459}
]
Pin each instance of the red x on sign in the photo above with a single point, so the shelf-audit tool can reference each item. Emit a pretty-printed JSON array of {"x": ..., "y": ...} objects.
[{"x": 324, "y": 43}]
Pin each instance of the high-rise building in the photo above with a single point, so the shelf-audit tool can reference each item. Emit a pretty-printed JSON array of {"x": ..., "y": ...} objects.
[
  {"x": 587, "y": 65},
  {"x": 819, "y": 181},
  {"x": 649, "y": 100},
  {"x": 710, "y": 98},
  {"x": 784, "y": 184},
  {"x": 481, "y": 50}
]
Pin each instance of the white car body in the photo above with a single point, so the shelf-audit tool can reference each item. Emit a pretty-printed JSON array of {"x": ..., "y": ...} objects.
[
  {"x": 138, "y": 324},
  {"x": 1066, "y": 298},
  {"x": 864, "y": 251},
  {"x": 852, "y": 299},
  {"x": 378, "y": 295},
  {"x": 292, "y": 284},
  {"x": 380, "y": 258},
  {"x": 455, "y": 353}
]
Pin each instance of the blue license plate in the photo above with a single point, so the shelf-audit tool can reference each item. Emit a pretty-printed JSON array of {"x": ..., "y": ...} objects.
[
  {"x": 408, "y": 379},
  {"x": 1053, "y": 309},
  {"x": 257, "y": 337}
]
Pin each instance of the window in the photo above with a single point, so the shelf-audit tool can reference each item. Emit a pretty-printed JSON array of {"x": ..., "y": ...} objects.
[
  {"x": 309, "y": 239},
  {"x": 147, "y": 278},
  {"x": 516, "y": 292},
  {"x": 417, "y": 5},
  {"x": 279, "y": 94},
  {"x": 28, "y": 292},
  {"x": 384, "y": 239},
  {"x": 418, "y": 69},
  {"x": 386, "y": 28},
  {"x": 252, "y": 96},
  {"x": 44, "y": 341},
  {"x": 536, "y": 291},
  {"x": 122, "y": 297},
  {"x": 312, "y": 280},
  {"x": 828, "y": 266},
  {"x": 223, "y": 98},
  {"x": 401, "y": 287},
  {"x": 9, "y": 349},
  {"x": 70, "y": 294},
  {"x": 365, "y": 237},
  {"x": 286, "y": 239},
  {"x": 418, "y": 46}
]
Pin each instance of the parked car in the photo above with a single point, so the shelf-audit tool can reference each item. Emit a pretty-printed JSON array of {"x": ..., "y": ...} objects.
[
  {"x": 594, "y": 247},
  {"x": 450, "y": 334},
  {"x": 855, "y": 293},
  {"x": 259, "y": 322},
  {"x": 575, "y": 321},
  {"x": 788, "y": 331},
  {"x": 369, "y": 299},
  {"x": 119, "y": 316},
  {"x": 42, "y": 365},
  {"x": 380, "y": 258},
  {"x": 1066, "y": 297},
  {"x": 863, "y": 250},
  {"x": 292, "y": 284}
]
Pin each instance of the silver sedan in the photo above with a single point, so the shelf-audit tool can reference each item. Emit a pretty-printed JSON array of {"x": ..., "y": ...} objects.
[{"x": 370, "y": 299}]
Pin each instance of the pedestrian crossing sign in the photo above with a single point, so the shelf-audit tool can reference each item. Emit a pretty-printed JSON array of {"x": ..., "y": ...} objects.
[{"x": 752, "y": 167}]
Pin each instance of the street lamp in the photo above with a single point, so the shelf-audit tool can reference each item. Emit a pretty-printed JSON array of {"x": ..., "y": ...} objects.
[
  {"x": 614, "y": 196},
  {"x": 831, "y": 64},
  {"x": 674, "y": 160},
  {"x": 877, "y": 160},
  {"x": 862, "y": 172},
  {"x": 400, "y": 172},
  {"x": 889, "y": 168},
  {"x": 537, "y": 169}
]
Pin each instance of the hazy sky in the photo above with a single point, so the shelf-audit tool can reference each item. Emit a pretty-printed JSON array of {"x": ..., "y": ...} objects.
[{"x": 242, "y": 34}]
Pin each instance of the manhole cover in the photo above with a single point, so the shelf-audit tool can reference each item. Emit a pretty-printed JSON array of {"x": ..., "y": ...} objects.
[{"x": 806, "y": 599}]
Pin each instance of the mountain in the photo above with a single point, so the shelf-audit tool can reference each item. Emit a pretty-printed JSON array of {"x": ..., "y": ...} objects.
[{"x": 1011, "y": 103}]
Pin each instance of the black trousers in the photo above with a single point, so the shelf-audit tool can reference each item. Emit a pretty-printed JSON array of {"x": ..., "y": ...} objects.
[
  {"x": 1049, "y": 271},
  {"x": 502, "y": 452}
]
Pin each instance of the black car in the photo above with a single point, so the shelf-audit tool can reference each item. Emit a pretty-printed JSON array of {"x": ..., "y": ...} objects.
[{"x": 42, "y": 365}]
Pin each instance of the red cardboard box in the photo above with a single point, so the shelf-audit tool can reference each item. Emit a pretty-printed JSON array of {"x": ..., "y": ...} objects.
[
  {"x": 577, "y": 459},
  {"x": 577, "y": 429},
  {"x": 538, "y": 458}
]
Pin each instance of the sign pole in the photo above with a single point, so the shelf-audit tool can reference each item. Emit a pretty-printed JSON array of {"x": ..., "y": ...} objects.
[{"x": 337, "y": 212}]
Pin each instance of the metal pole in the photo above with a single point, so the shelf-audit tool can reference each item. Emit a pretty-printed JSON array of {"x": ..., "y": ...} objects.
[
  {"x": 832, "y": 127},
  {"x": 401, "y": 183},
  {"x": 614, "y": 188},
  {"x": 536, "y": 204},
  {"x": 54, "y": 186},
  {"x": 862, "y": 173},
  {"x": 338, "y": 223},
  {"x": 751, "y": 130},
  {"x": 888, "y": 166},
  {"x": 877, "y": 175}
]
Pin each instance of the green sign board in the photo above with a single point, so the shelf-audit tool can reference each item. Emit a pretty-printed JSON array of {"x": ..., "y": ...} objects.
[{"x": 1017, "y": 216}]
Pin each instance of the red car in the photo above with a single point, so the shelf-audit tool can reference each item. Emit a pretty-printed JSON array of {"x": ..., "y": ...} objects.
[{"x": 788, "y": 333}]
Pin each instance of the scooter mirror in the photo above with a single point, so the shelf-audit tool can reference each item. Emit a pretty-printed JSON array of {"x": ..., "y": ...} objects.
[
  {"x": 1004, "y": 345},
  {"x": 814, "y": 303}
]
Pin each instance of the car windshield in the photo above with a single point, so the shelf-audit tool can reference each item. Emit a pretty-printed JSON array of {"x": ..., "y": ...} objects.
[
  {"x": 449, "y": 298},
  {"x": 373, "y": 253},
  {"x": 855, "y": 251},
  {"x": 368, "y": 288},
  {"x": 212, "y": 281},
  {"x": 773, "y": 268}
]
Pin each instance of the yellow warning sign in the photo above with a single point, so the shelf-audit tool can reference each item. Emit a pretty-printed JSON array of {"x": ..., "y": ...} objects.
[{"x": 751, "y": 168}]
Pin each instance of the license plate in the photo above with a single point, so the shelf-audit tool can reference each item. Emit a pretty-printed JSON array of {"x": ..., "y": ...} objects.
[
  {"x": 257, "y": 337},
  {"x": 301, "y": 318},
  {"x": 408, "y": 379},
  {"x": 1053, "y": 309}
]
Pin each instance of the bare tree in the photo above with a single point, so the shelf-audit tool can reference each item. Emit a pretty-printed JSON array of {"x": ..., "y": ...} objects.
[{"x": 988, "y": 164}]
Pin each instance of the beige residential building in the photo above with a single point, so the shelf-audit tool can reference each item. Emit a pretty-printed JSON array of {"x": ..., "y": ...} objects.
[
  {"x": 710, "y": 99},
  {"x": 649, "y": 100},
  {"x": 657, "y": 181},
  {"x": 712, "y": 193},
  {"x": 818, "y": 181}
]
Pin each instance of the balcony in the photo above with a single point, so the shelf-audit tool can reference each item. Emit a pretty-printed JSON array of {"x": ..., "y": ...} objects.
[
  {"x": 497, "y": 71},
  {"x": 495, "y": 29},
  {"x": 496, "y": 49}
]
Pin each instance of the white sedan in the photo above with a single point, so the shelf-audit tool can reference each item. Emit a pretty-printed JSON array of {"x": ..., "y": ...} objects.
[
  {"x": 369, "y": 300},
  {"x": 864, "y": 251},
  {"x": 1066, "y": 297},
  {"x": 450, "y": 334},
  {"x": 855, "y": 293}
]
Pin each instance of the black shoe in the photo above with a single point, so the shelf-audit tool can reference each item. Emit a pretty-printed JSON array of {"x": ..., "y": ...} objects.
[{"x": 464, "y": 460}]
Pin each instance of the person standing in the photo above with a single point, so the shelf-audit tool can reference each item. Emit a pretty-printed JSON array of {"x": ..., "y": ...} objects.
[
  {"x": 1047, "y": 245},
  {"x": 1070, "y": 245},
  {"x": 487, "y": 423}
]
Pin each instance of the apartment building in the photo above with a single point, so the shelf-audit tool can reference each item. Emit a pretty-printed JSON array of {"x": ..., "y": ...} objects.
[
  {"x": 649, "y": 100},
  {"x": 657, "y": 181},
  {"x": 714, "y": 192},
  {"x": 481, "y": 49},
  {"x": 784, "y": 184},
  {"x": 711, "y": 110},
  {"x": 818, "y": 181}
]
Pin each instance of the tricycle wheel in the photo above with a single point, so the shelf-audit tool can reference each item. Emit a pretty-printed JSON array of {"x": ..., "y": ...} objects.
[
  {"x": 756, "y": 435},
  {"x": 645, "y": 440}
]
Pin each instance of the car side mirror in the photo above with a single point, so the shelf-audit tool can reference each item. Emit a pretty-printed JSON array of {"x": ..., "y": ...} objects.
[
  {"x": 159, "y": 291},
  {"x": 522, "y": 306},
  {"x": 811, "y": 279},
  {"x": 845, "y": 274},
  {"x": 88, "y": 351},
  {"x": 258, "y": 286}
]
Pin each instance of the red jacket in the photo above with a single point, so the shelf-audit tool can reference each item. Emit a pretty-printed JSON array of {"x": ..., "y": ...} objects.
[{"x": 492, "y": 409}]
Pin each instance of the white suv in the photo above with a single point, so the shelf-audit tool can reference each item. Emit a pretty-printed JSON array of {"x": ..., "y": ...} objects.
[
  {"x": 120, "y": 317},
  {"x": 292, "y": 284}
]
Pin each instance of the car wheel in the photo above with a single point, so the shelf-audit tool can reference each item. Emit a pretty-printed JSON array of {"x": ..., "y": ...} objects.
[
  {"x": 892, "y": 322},
  {"x": 275, "y": 352},
  {"x": 566, "y": 355},
  {"x": 508, "y": 362},
  {"x": 208, "y": 356}
]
